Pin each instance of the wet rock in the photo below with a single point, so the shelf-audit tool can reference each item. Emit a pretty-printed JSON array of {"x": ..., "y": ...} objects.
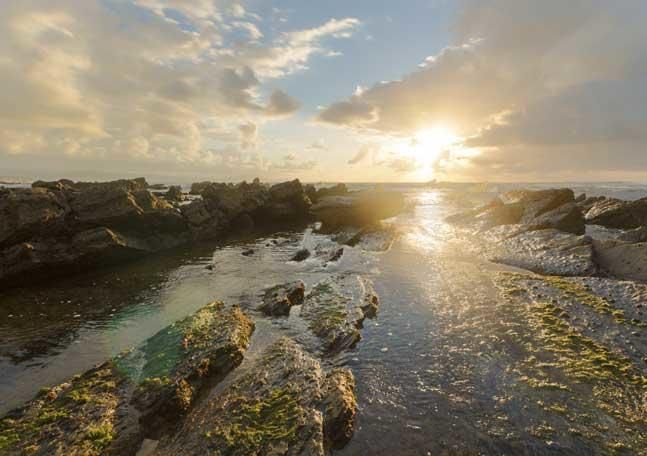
[
  {"x": 635, "y": 235},
  {"x": 537, "y": 202},
  {"x": 185, "y": 358},
  {"x": 622, "y": 259},
  {"x": 357, "y": 209},
  {"x": 284, "y": 405},
  {"x": 301, "y": 255},
  {"x": 279, "y": 299},
  {"x": 336, "y": 317},
  {"x": 340, "y": 407},
  {"x": 549, "y": 252},
  {"x": 174, "y": 194},
  {"x": 615, "y": 213},
  {"x": 335, "y": 190},
  {"x": 580, "y": 198},
  {"x": 248, "y": 252},
  {"x": 336, "y": 255},
  {"x": 94, "y": 413}
]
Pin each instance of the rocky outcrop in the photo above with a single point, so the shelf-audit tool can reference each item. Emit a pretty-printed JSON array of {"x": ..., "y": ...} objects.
[
  {"x": 278, "y": 300},
  {"x": 537, "y": 210},
  {"x": 615, "y": 213},
  {"x": 59, "y": 226},
  {"x": 550, "y": 252},
  {"x": 198, "y": 187},
  {"x": 357, "y": 209},
  {"x": 174, "y": 194},
  {"x": 110, "y": 409},
  {"x": 63, "y": 226},
  {"x": 286, "y": 404},
  {"x": 224, "y": 206},
  {"x": 301, "y": 255}
]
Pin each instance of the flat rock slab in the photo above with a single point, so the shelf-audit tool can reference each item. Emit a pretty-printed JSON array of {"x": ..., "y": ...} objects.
[
  {"x": 550, "y": 252},
  {"x": 111, "y": 408},
  {"x": 286, "y": 405},
  {"x": 623, "y": 260}
]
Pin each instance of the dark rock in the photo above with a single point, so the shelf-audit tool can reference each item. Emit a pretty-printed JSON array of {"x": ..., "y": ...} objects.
[
  {"x": 301, "y": 255},
  {"x": 279, "y": 299},
  {"x": 198, "y": 187},
  {"x": 157, "y": 187},
  {"x": 635, "y": 235},
  {"x": 567, "y": 218},
  {"x": 340, "y": 407},
  {"x": 581, "y": 198},
  {"x": 337, "y": 254},
  {"x": 248, "y": 252},
  {"x": 615, "y": 213},
  {"x": 335, "y": 190},
  {"x": 174, "y": 194},
  {"x": 589, "y": 202}
]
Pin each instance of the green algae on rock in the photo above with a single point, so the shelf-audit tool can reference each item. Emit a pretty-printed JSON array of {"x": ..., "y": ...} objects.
[
  {"x": 93, "y": 413},
  {"x": 286, "y": 404}
]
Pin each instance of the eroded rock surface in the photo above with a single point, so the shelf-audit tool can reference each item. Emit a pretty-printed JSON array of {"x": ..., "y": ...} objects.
[
  {"x": 549, "y": 252},
  {"x": 111, "y": 408},
  {"x": 279, "y": 299},
  {"x": 615, "y": 213},
  {"x": 623, "y": 260},
  {"x": 287, "y": 405}
]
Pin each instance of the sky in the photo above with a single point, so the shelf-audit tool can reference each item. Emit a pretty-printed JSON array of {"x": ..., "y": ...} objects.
[{"x": 331, "y": 91}]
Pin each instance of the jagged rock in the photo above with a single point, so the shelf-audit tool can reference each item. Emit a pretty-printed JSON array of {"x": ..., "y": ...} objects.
[
  {"x": 549, "y": 251},
  {"x": 174, "y": 194},
  {"x": 279, "y": 299},
  {"x": 376, "y": 238},
  {"x": 286, "y": 404},
  {"x": 336, "y": 255},
  {"x": 95, "y": 413},
  {"x": 335, "y": 190},
  {"x": 537, "y": 202},
  {"x": 335, "y": 317},
  {"x": 588, "y": 202},
  {"x": 30, "y": 213},
  {"x": 357, "y": 209},
  {"x": 340, "y": 407},
  {"x": 301, "y": 255},
  {"x": 198, "y": 187},
  {"x": 635, "y": 235},
  {"x": 580, "y": 198},
  {"x": 615, "y": 213},
  {"x": 622, "y": 259},
  {"x": 567, "y": 218},
  {"x": 288, "y": 200}
]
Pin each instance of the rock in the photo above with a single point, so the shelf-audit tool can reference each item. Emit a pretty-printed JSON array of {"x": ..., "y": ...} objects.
[
  {"x": 550, "y": 251},
  {"x": 581, "y": 198},
  {"x": 357, "y": 209},
  {"x": 198, "y": 187},
  {"x": 30, "y": 213},
  {"x": 286, "y": 404},
  {"x": 615, "y": 213},
  {"x": 622, "y": 260},
  {"x": 340, "y": 407},
  {"x": 567, "y": 218},
  {"x": 589, "y": 202},
  {"x": 288, "y": 201},
  {"x": 110, "y": 409},
  {"x": 278, "y": 300},
  {"x": 184, "y": 358},
  {"x": 301, "y": 255},
  {"x": 157, "y": 187},
  {"x": 335, "y": 190},
  {"x": 334, "y": 317},
  {"x": 248, "y": 252},
  {"x": 537, "y": 202},
  {"x": 635, "y": 235},
  {"x": 336, "y": 255},
  {"x": 174, "y": 194}
]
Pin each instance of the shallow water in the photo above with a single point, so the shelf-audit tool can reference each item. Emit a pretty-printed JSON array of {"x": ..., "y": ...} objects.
[{"x": 437, "y": 371}]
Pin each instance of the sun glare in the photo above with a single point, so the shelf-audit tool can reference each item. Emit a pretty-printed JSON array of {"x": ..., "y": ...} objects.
[{"x": 427, "y": 146}]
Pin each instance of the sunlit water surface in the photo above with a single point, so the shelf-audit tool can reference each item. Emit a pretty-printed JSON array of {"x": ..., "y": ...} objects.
[{"x": 435, "y": 372}]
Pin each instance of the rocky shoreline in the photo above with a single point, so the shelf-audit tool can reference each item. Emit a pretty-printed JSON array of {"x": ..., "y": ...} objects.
[{"x": 62, "y": 227}]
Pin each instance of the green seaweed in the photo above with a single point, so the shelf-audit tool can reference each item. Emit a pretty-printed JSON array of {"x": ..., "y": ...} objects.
[{"x": 258, "y": 424}]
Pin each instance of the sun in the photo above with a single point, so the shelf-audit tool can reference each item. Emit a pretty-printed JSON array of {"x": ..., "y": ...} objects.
[{"x": 427, "y": 145}]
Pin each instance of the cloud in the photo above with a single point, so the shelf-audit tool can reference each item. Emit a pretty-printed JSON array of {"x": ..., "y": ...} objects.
[
  {"x": 363, "y": 153},
  {"x": 573, "y": 84},
  {"x": 164, "y": 80},
  {"x": 281, "y": 104}
]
